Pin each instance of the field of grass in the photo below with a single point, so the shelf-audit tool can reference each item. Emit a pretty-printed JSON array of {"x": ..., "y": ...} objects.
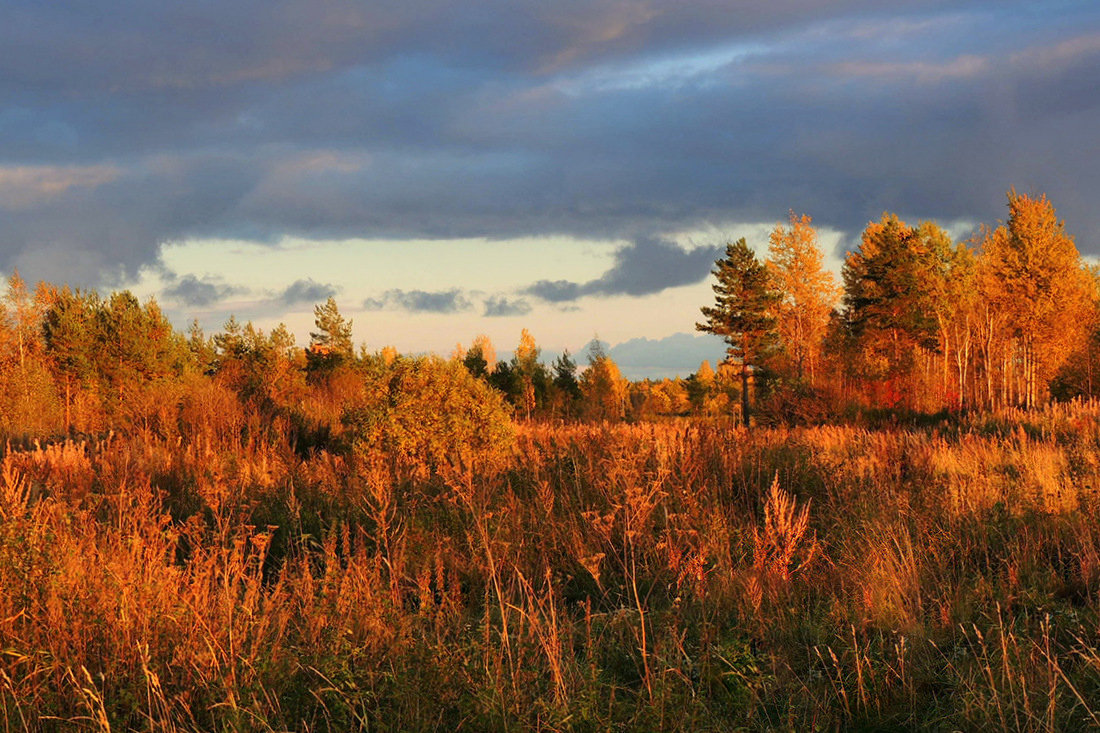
[{"x": 675, "y": 576}]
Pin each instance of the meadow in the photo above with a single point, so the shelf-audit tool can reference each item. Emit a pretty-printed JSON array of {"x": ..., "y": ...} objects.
[{"x": 677, "y": 575}]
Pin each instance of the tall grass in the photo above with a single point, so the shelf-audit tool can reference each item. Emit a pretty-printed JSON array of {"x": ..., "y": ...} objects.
[{"x": 674, "y": 576}]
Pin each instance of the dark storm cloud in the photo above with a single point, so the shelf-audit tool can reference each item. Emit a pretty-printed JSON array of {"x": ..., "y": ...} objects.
[
  {"x": 92, "y": 223},
  {"x": 197, "y": 292},
  {"x": 305, "y": 291},
  {"x": 159, "y": 121},
  {"x": 150, "y": 45},
  {"x": 644, "y": 267},
  {"x": 498, "y": 306},
  {"x": 421, "y": 301}
]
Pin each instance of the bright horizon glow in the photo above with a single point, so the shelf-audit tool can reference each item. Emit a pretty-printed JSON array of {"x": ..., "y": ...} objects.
[{"x": 479, "y": 268}]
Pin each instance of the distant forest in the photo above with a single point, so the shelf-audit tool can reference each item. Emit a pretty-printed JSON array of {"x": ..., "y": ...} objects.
[{"x": 1010, "y": 317}]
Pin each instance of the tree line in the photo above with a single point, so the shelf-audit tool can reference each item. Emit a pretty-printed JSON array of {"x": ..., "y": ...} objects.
[
  {"x": 72, "y": 361},
  {"x": 1010, "y": 317}
]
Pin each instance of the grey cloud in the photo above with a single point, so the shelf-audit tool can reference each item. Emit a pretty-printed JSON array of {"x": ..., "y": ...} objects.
[
  {"x": 147, "y": 46},
  {"x": 305, "y": 291},
  {"x": 500, "y": 306},
  {"x": 193, "y": 291},
  {"x": 374, "y": 304},
  {"x": 105, "y": 229},
  {"x": 421, "y": 301},
  {"x": 651, "y": 265},
  {"x": 556, "y": 291},
  {"x": 646, "y": 266},
  {"x": 677, "y": 355},
  {"x": 426, "y": 119}
]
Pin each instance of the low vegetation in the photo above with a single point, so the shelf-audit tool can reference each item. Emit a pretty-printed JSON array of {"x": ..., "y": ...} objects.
[{"x": 685, "y": 575}]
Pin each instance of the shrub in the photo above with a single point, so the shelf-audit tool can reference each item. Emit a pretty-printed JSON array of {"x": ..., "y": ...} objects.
[{"x": 422, "y": 414}]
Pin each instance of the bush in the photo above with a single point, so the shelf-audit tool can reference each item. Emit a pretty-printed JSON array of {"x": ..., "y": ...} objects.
[{"x": 421, "y": 414}]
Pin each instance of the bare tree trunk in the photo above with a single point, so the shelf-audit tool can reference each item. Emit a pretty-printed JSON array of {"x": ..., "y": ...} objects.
[
  {"x": 963, "y": 359},
  {"x": 1088, "y": 366},
  {"x": 745, "y": 394},
  {"x": 1027, "y": 375},
  {"x": 946, "y": 377},
  {"x": 992, "y": 377},
  {"x": 1032, "y": 381}
]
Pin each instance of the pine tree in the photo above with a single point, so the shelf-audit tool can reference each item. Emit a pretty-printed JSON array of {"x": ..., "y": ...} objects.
[
  {"x": 330, "y": 345},
  {"x": 333, "y": 334},
  {"x": 69, "y": 332},
  {"x": 890, "y": 303},
  {"x": 475, "y": 362},
  {"x": 202, "y": 349},
  {"x": 137, "y": 350},
  {"x": 565, "y": 380},
  {"x": 741, "y": 314}
]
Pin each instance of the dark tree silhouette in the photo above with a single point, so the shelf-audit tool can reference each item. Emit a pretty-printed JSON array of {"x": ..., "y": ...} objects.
[{"x": 741, "y": 314}]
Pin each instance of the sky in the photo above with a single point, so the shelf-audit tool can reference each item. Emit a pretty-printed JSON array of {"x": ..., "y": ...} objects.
[{"x": 445, "y": 169}]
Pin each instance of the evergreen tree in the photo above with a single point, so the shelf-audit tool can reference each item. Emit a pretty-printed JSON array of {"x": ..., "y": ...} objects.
[
  {"x": 69, "y": 331},
  {"x": 565, "y": 377},
  {"x": 203, "y": 351},
  {"x": 138, "y": 356},
  {"x": 333, "y": 332},
  {"x": 504, "y": 379},
  {"x": 330, "y": 345},
  {"x": 475, "y": 363},
  {"x": 741, "y": 313},
  {"x": 889, "y": 302}
]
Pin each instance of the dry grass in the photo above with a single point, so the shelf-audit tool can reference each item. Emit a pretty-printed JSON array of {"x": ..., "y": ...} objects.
[{"x": 672, "y": 576}]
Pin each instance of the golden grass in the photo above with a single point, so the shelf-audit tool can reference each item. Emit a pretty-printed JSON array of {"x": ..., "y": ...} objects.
[{"x": 672, "y": 576}]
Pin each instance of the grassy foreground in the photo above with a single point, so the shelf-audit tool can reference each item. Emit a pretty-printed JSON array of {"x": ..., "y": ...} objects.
[{"x": 681, "y": 576}]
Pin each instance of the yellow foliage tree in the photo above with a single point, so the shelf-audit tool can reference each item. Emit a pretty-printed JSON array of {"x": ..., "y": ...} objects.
[
  {"x": 1035, "y": 279},
  {"x": 483, "y": 345},
  {"x": 808, "y": 293},
  {"x": 526, "y": 365},
  {"x": 603, "y": 388}
]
